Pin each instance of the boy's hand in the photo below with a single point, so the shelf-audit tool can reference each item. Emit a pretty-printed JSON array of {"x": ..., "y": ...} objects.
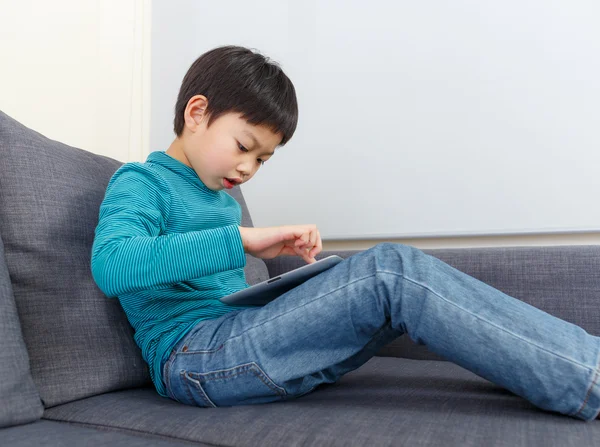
[{"x": 287, "y": 240}]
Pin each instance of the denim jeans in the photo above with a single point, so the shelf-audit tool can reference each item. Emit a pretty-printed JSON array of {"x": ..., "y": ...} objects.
[{"x": 336, "y": 321}]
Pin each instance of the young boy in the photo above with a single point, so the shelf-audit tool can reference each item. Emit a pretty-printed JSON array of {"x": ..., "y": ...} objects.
[{"x": 169, "y": 244}]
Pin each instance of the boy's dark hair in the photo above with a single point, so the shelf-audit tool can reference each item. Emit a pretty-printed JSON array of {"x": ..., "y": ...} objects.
[{"x": 236, "y": 79}]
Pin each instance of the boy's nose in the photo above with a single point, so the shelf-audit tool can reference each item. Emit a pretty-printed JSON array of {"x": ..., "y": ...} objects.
[{"x": 244, "y": 172}]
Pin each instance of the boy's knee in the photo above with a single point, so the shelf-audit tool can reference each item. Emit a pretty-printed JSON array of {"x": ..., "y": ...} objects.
[
  {"x": 385, "y": 247},
  {"x": 390, "y": 255}
]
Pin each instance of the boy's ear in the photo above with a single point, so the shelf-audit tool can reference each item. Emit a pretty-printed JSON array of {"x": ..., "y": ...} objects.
[{"x": 195, "y": 111}]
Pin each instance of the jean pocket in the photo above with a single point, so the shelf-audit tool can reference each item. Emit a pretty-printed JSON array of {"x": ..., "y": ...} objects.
[{"x": 245, "y": 384}]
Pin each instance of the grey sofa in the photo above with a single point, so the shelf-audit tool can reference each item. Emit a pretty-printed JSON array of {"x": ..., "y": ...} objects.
[{"x": 72, "y": 375}]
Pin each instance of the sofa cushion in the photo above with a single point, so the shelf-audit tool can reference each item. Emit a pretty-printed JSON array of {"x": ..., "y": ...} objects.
[
  {"x": 80, "y": 343},
  {"x": 20, "y": 399},
  {"x": 385, "y": 402}
]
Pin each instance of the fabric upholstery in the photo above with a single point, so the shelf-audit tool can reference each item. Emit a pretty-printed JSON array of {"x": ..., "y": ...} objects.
[
  {"x": 386, "y": 402},
  {"x": 20, "y": 400},
  {"x": 79, "y": 342}
]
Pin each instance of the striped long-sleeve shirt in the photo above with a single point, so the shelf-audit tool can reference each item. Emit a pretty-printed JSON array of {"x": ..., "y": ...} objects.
[{"x": 168, "y": 248}]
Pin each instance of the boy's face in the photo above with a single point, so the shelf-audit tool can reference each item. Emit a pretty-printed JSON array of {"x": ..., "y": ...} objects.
[{"x": 225, "y": 150}]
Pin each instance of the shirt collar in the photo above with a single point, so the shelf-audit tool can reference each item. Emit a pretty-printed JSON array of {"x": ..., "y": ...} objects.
[{"x": 188, "y": 173}]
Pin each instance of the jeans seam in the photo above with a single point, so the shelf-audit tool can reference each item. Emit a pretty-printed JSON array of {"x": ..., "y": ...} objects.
[
  {"x": 186, "y": 386},
  {"x": 167, "y": 381},
  {"x": 492, "y": 324},
  {"x": 244, "y": 368},
  {"x": 166, "y": 370},
  {"x": 210, "y": 351},
  {"x": 589, "y": 390}
]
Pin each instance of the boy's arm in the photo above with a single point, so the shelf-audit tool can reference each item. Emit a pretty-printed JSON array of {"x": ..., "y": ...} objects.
[{"x": 130, "y": 254}]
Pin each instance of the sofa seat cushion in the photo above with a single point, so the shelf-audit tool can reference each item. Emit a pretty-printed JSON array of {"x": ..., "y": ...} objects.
[
  {"x": 52, "y": 434},
  {"x": 387, "y": 401}
]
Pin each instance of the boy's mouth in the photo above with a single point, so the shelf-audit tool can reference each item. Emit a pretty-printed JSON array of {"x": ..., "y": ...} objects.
[{"x": 230, "y": 183}]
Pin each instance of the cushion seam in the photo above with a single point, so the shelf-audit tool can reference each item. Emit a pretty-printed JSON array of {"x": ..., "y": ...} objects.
[{"x": 134, "y": 431}]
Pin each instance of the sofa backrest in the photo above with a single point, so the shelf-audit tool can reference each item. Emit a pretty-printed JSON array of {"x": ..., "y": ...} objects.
[
  {"x": 79, "y": 342},
  {"x": 20, "y": 399}
]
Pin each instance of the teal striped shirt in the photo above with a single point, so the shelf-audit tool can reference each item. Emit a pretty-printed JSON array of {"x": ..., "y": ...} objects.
[{"x": 168, "y": 248}]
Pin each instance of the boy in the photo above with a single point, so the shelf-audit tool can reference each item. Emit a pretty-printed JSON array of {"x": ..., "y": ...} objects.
[{"x": 169, "y": 244}]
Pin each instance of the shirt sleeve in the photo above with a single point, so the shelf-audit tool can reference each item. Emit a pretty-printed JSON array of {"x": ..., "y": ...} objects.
[{"x": 131, "y": 254}]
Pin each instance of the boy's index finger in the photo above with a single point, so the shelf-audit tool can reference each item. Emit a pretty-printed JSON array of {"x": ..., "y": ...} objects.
[{"x": 304, "y": 255}]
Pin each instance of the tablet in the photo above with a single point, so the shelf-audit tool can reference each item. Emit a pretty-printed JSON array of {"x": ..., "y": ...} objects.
[{"x": 266, "y": 291}]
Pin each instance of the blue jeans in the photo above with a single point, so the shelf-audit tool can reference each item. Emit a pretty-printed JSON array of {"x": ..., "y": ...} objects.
[{"x": 336, "y": 321}]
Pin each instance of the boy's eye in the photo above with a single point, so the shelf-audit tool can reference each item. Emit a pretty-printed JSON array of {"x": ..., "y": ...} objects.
[{"x": 243, "y": 149}]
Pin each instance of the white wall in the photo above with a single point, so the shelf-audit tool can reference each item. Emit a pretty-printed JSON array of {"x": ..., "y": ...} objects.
[
  {"x": 475, "y": 122},
  {"x": 78, "y": 72}
]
